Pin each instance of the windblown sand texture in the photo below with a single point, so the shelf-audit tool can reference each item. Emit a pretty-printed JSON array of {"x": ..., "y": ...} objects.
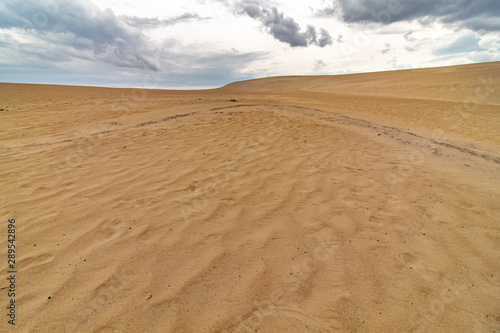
[{"x": 356, "y": 203}]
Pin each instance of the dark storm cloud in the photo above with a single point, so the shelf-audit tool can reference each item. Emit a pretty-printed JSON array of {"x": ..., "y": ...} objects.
[
  {"x": 473, "y": 14},
  {"x": 477, "y": 15},
  {"x": 284, "y": 29}
]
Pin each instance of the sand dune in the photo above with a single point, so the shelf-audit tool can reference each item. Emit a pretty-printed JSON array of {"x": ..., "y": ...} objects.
[{"x": 358, "y": 203}]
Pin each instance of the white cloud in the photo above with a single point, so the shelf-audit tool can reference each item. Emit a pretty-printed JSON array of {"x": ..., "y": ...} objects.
[{"x": 490, "y": 42}]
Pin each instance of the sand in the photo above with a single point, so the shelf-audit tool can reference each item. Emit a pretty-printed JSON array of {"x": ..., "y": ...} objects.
[{"x": 356, "y": 203}]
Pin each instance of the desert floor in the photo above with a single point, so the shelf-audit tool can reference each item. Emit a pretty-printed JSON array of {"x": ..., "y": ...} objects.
[{"x": 357, "y": 203}]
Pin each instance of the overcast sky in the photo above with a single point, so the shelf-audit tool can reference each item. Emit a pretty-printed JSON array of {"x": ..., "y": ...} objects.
[{"x": 209, "y": 43}]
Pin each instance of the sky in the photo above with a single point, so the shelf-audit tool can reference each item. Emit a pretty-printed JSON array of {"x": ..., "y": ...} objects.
[{"x": 195, "y": 44}]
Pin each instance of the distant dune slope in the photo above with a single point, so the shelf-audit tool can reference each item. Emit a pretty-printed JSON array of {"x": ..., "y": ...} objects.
[
  {"x": 461, "y": 101},
  {"x": 470, "y": 83}
]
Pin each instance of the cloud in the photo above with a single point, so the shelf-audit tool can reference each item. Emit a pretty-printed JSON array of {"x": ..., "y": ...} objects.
[
  {"x": 396, "y": 65},
  {"x": 408, "y": 37},
  {"x": 319, "y": 65},
  {"x": 325, "y": 38},
  {"x": 464, "y": 44},
  {"x": 75, "y": 36},
  {"x": 110, "y": 38},
  {"x": 150, "y": 23},
  {"x": 194, "y": 66},
  {"x": 490, "y": 42},
  {"x": 460, "y": 45},
  {"x": 282, "y": 28},
  {"x": 79, "y": 24},
  {"x": 386, "y": 49},
  {"x": 477, "y": 15},
  {"x": 327, "y": 11}
]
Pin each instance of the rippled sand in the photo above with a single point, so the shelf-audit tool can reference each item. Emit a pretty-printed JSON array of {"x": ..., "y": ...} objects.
[{"x": 358, "y": 203}]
